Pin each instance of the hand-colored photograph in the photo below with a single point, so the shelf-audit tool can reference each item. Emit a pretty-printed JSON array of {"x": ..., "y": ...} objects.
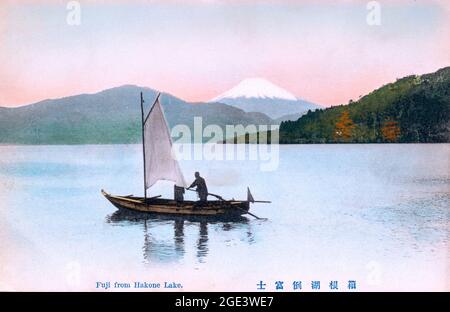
[{"x": 225, "y": 146}]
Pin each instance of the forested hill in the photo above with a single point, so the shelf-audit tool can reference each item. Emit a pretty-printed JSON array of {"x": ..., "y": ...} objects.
[
  {"x": 412, "y": 109},
  {"x": 112, "y": 116}
]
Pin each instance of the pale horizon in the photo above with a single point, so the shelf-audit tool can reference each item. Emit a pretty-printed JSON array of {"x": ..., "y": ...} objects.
[{"x": 325, "y": 52}]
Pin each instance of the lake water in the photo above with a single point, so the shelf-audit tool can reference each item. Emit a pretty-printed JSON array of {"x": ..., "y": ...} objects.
[{"x": 375, "y": 214}]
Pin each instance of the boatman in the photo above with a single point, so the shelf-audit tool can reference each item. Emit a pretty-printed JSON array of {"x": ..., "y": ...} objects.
[{"x": 202, "y": 190}]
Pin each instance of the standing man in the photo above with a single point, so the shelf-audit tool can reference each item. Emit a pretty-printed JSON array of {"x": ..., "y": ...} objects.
[{"x": 202, "y": 190}]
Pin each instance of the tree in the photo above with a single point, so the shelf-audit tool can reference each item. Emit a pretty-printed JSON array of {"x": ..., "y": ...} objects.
[
  {"x": 343, "y": 129},
  {"x": 390, "y": 131}
]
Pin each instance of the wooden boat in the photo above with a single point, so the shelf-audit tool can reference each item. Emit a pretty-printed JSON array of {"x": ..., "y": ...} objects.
[
  {"x": 167, "y": 206},
  {"x": 159, "y": 164}
]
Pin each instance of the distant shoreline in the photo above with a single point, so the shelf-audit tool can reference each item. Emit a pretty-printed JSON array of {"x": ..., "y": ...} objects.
[{"x": 285, "y": 144}]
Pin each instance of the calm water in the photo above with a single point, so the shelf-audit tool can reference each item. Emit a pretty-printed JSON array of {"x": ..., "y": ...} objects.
[{"x": 376, "y": 214}]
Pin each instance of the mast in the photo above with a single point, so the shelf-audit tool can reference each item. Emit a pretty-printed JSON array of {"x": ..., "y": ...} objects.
[{"x": 143, "y": 145}]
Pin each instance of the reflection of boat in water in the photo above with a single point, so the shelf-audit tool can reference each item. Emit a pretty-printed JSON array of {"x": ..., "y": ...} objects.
[
  {"x": 159, "y": 164},
  {"x": 129, "y": 216},
  {"x": 158, "y": 247}
]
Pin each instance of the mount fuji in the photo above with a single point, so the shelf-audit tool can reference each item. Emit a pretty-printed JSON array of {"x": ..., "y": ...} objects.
[{"x": 260, "y": 95}]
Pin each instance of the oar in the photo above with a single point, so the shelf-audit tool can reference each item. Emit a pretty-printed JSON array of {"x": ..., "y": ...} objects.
[
  {"x": 248, "y": 212},
  {"x": 216, "y": 196},
  {"x": 221, "y": 198}
]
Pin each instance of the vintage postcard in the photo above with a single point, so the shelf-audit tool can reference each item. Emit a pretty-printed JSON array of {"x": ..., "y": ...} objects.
[{"x": 213, "y": 145}]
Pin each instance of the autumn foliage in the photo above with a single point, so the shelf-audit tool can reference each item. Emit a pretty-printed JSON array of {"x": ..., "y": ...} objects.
[
  {"x": 390, "y": 131},
  {"x": 344, "y": 127},
  {"x": 420, "y": 105}
]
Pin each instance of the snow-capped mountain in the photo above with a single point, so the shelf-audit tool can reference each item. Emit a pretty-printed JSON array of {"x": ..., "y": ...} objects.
[
  {"x": 256, "y": 88},
  {"x": 260, "y": 95}
]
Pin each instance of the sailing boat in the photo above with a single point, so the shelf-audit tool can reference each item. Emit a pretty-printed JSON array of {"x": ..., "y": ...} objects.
[{"x": 159, "y": 164}]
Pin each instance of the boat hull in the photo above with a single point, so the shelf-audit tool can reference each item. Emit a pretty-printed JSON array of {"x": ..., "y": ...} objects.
[{"x": 171, "y": 207}]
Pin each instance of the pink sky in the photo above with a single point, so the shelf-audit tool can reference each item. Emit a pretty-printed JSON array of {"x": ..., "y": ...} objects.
[{"x": 322, "y": 51}]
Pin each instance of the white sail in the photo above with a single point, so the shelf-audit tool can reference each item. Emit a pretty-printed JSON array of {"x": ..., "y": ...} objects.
[{"x": 159, "y": 161}]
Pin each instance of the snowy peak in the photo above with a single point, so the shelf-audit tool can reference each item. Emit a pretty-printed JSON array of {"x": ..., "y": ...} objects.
[
  {"x": 256, "y": 88},
  {"x": 262, "y": 96}
]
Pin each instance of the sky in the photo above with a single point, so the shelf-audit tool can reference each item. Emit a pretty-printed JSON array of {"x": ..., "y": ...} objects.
[{"x": 322, "y": 51}]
